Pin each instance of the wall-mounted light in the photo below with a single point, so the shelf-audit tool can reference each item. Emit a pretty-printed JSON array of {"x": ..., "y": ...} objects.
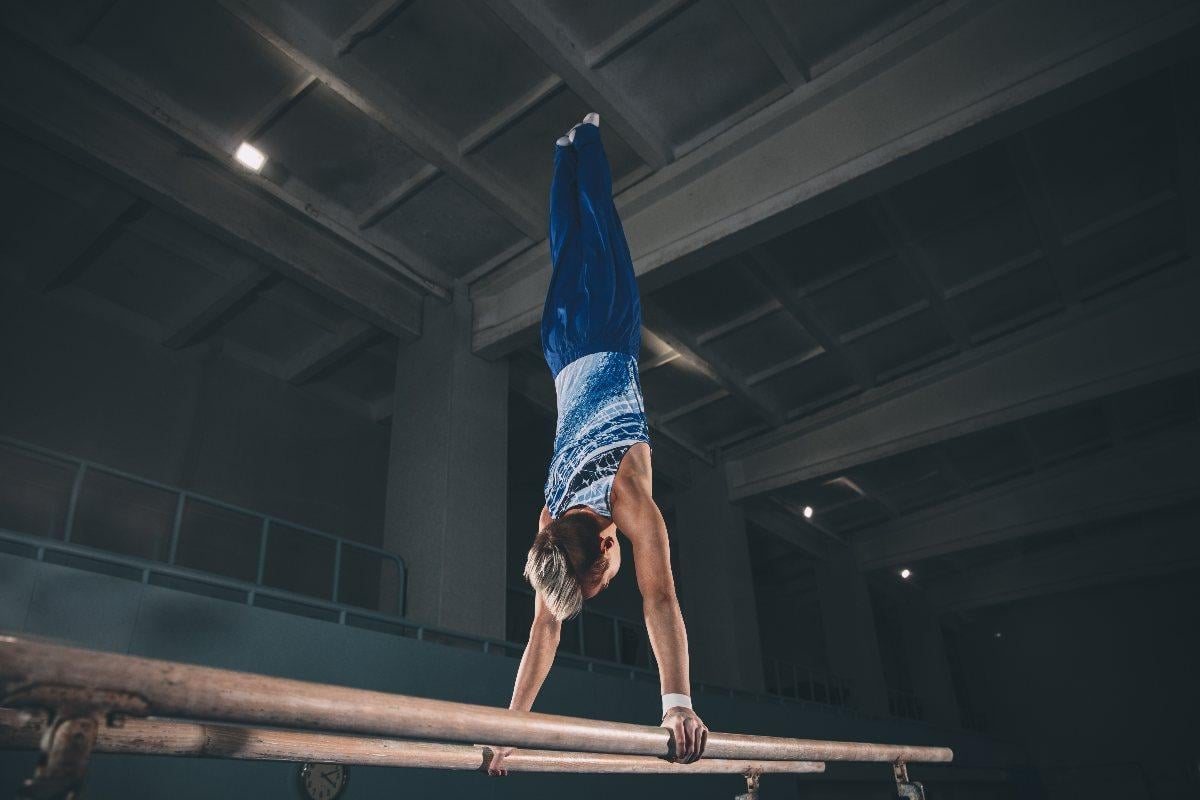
[
  {"x": 250, "y": 156},
  {"x": 808, "y": 512},
  {"x": 906, "y": 573}
]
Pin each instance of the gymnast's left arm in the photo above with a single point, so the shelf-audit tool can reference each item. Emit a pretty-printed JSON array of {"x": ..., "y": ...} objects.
[{"x": 637, "y": 516}]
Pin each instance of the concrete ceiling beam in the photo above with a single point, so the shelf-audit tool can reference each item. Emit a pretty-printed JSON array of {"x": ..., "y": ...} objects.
[
  {"x": 102, "y": 133},
  {"x": 862, "y": 126},
  {"x": 1160, "y": 545},
  {"x": 1120, "y": 343},
  {"x": 278, "y": 22},
  {"x": 1157, "y": 472},
  {"x": 534, "y": 26}
]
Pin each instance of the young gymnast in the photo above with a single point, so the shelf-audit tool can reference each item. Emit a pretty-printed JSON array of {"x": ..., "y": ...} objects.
[{"x": 600, "y": 477}]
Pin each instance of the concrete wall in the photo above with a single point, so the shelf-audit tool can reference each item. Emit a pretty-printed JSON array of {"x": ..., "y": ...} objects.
[
  {"x": 716, "y": 587},
  {"x": 848, "y": 615},
  {"x": 113, "y": 614},
  {"x": 447, "y": 492},
  {"x": 790, "y": 629},
  {"x": 189, "y": 418},
  {"x": 1100, "y": 684}
]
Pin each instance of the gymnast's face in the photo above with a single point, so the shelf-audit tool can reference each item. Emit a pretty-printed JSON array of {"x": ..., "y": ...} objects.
[{"x": 610, "y": 546}]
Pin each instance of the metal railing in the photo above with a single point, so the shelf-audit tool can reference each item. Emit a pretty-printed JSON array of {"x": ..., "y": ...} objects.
[
  {"x": 184, "y": 500},
  {"x": 793, "y": 681}
]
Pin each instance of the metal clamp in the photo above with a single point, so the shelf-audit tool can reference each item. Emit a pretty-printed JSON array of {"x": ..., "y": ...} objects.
[
  {"x": 75, "y": 718},
  {"x": 905, "y": 788},
  {"x": 752, "y": 779}
]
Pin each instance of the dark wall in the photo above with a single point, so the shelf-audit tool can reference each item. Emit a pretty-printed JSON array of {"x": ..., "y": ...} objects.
[
  {"x": 790, "y": 629},
  {"x": 530, "y": 443},
  {"x": 1100, "y": 684},
  {"x": 192, "y": 418}
]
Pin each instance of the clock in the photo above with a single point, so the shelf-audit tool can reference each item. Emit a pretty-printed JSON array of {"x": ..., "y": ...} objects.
[{"x": 324, "y": 781}]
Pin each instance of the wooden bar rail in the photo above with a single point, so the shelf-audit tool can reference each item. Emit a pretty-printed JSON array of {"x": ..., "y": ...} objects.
[
  {"x": 32, "y": 673},
  {"x": 21, "y": 730}
]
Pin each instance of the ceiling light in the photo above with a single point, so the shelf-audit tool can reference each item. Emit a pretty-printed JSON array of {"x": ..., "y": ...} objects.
[
  {"x": 999, "y": 634},
  {"x": 250, "y": 156},
  {"x": 808, "y": 512},
  {"x": 906, "y": 573}
]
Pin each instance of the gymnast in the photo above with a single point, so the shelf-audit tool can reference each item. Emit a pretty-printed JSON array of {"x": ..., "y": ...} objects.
[{"x": 600, "y": 476}]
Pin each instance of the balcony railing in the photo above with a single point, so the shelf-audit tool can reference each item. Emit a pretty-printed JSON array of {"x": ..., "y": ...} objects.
[
  {"x": 166, "y": 530},
  {"x": 803, "y": 683}
]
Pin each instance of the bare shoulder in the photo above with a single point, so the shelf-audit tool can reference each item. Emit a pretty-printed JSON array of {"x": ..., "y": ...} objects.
[
  {"x": 634, "y": 482},
  {"x": 636, "y": 470}
]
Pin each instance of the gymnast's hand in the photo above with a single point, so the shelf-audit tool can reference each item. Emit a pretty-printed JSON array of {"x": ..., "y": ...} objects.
[
  {"x": 495, "y": 765},
  {"x": 689, "y": 732}
]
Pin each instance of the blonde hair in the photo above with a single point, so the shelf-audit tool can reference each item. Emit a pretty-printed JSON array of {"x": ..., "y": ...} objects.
[{"x": 564, "y": 560}]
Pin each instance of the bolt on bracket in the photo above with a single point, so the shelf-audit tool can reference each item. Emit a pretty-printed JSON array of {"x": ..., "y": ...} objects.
[{"x": 75, "y": 718}]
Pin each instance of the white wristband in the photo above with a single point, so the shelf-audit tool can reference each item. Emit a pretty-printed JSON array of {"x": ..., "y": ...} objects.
[{"x": 672, "y": 700}]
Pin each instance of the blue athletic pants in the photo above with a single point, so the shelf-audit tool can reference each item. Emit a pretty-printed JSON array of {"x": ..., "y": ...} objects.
[{"x": 592, "y": 305}]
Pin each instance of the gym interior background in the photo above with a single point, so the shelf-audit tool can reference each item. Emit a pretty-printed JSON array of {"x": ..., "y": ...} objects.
[{"x": 921, "y": 362}]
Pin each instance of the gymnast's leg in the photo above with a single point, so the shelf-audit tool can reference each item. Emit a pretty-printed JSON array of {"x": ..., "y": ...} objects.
[
  {"x": 560, "y": 317},
  {"x": 605, "y": 250}
]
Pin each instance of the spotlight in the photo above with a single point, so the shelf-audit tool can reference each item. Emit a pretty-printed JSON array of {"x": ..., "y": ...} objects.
[
  {"x": 998, "y": 635},
  {"x": 808, "y": 512},
  {"x": 250, "y": 156},
  {"x": 906, "y": 573}
]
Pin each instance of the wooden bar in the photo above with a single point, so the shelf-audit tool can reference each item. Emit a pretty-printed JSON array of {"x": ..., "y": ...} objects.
[
  {"x": 185, "y": 691},
  {"x": 20, "y": 730}
]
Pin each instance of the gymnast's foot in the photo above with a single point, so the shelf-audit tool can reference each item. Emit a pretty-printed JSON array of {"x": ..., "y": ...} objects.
[{"x": 591, "y": 119}]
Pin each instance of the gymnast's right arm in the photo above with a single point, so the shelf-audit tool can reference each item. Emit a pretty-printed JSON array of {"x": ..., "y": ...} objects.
[{"x": 544, "y": 634}]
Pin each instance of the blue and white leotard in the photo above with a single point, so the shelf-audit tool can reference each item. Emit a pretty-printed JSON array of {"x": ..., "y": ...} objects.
[{"x": 600, "y": 416}]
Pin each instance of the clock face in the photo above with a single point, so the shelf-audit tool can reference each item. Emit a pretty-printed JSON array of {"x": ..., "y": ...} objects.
[{"x": 324, "y": 781}]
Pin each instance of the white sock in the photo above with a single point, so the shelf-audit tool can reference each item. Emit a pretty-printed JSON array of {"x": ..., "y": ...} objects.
[{"x": 569, "y": 137}]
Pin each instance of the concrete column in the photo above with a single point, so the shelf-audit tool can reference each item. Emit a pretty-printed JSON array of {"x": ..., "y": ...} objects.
[
  {"x": 447, "y": 475},
  {"x": 849, "y": 623},
  {"x": 928, "y": 667},
  {"x": 715, "y": 585}
]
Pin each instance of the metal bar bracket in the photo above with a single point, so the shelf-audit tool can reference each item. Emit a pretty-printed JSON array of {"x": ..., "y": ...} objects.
[
  {"x": 75, "y": 717},
  {"x": 752, "y": 780},
  {"x": 905, "y": 788}
]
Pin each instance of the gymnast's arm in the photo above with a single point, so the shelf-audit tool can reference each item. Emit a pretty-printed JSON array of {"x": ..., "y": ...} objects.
[
  {"x": 544, "y": 634},
  {"x": 637, "y": 516},
  {"x": 539, "y": 656}
]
